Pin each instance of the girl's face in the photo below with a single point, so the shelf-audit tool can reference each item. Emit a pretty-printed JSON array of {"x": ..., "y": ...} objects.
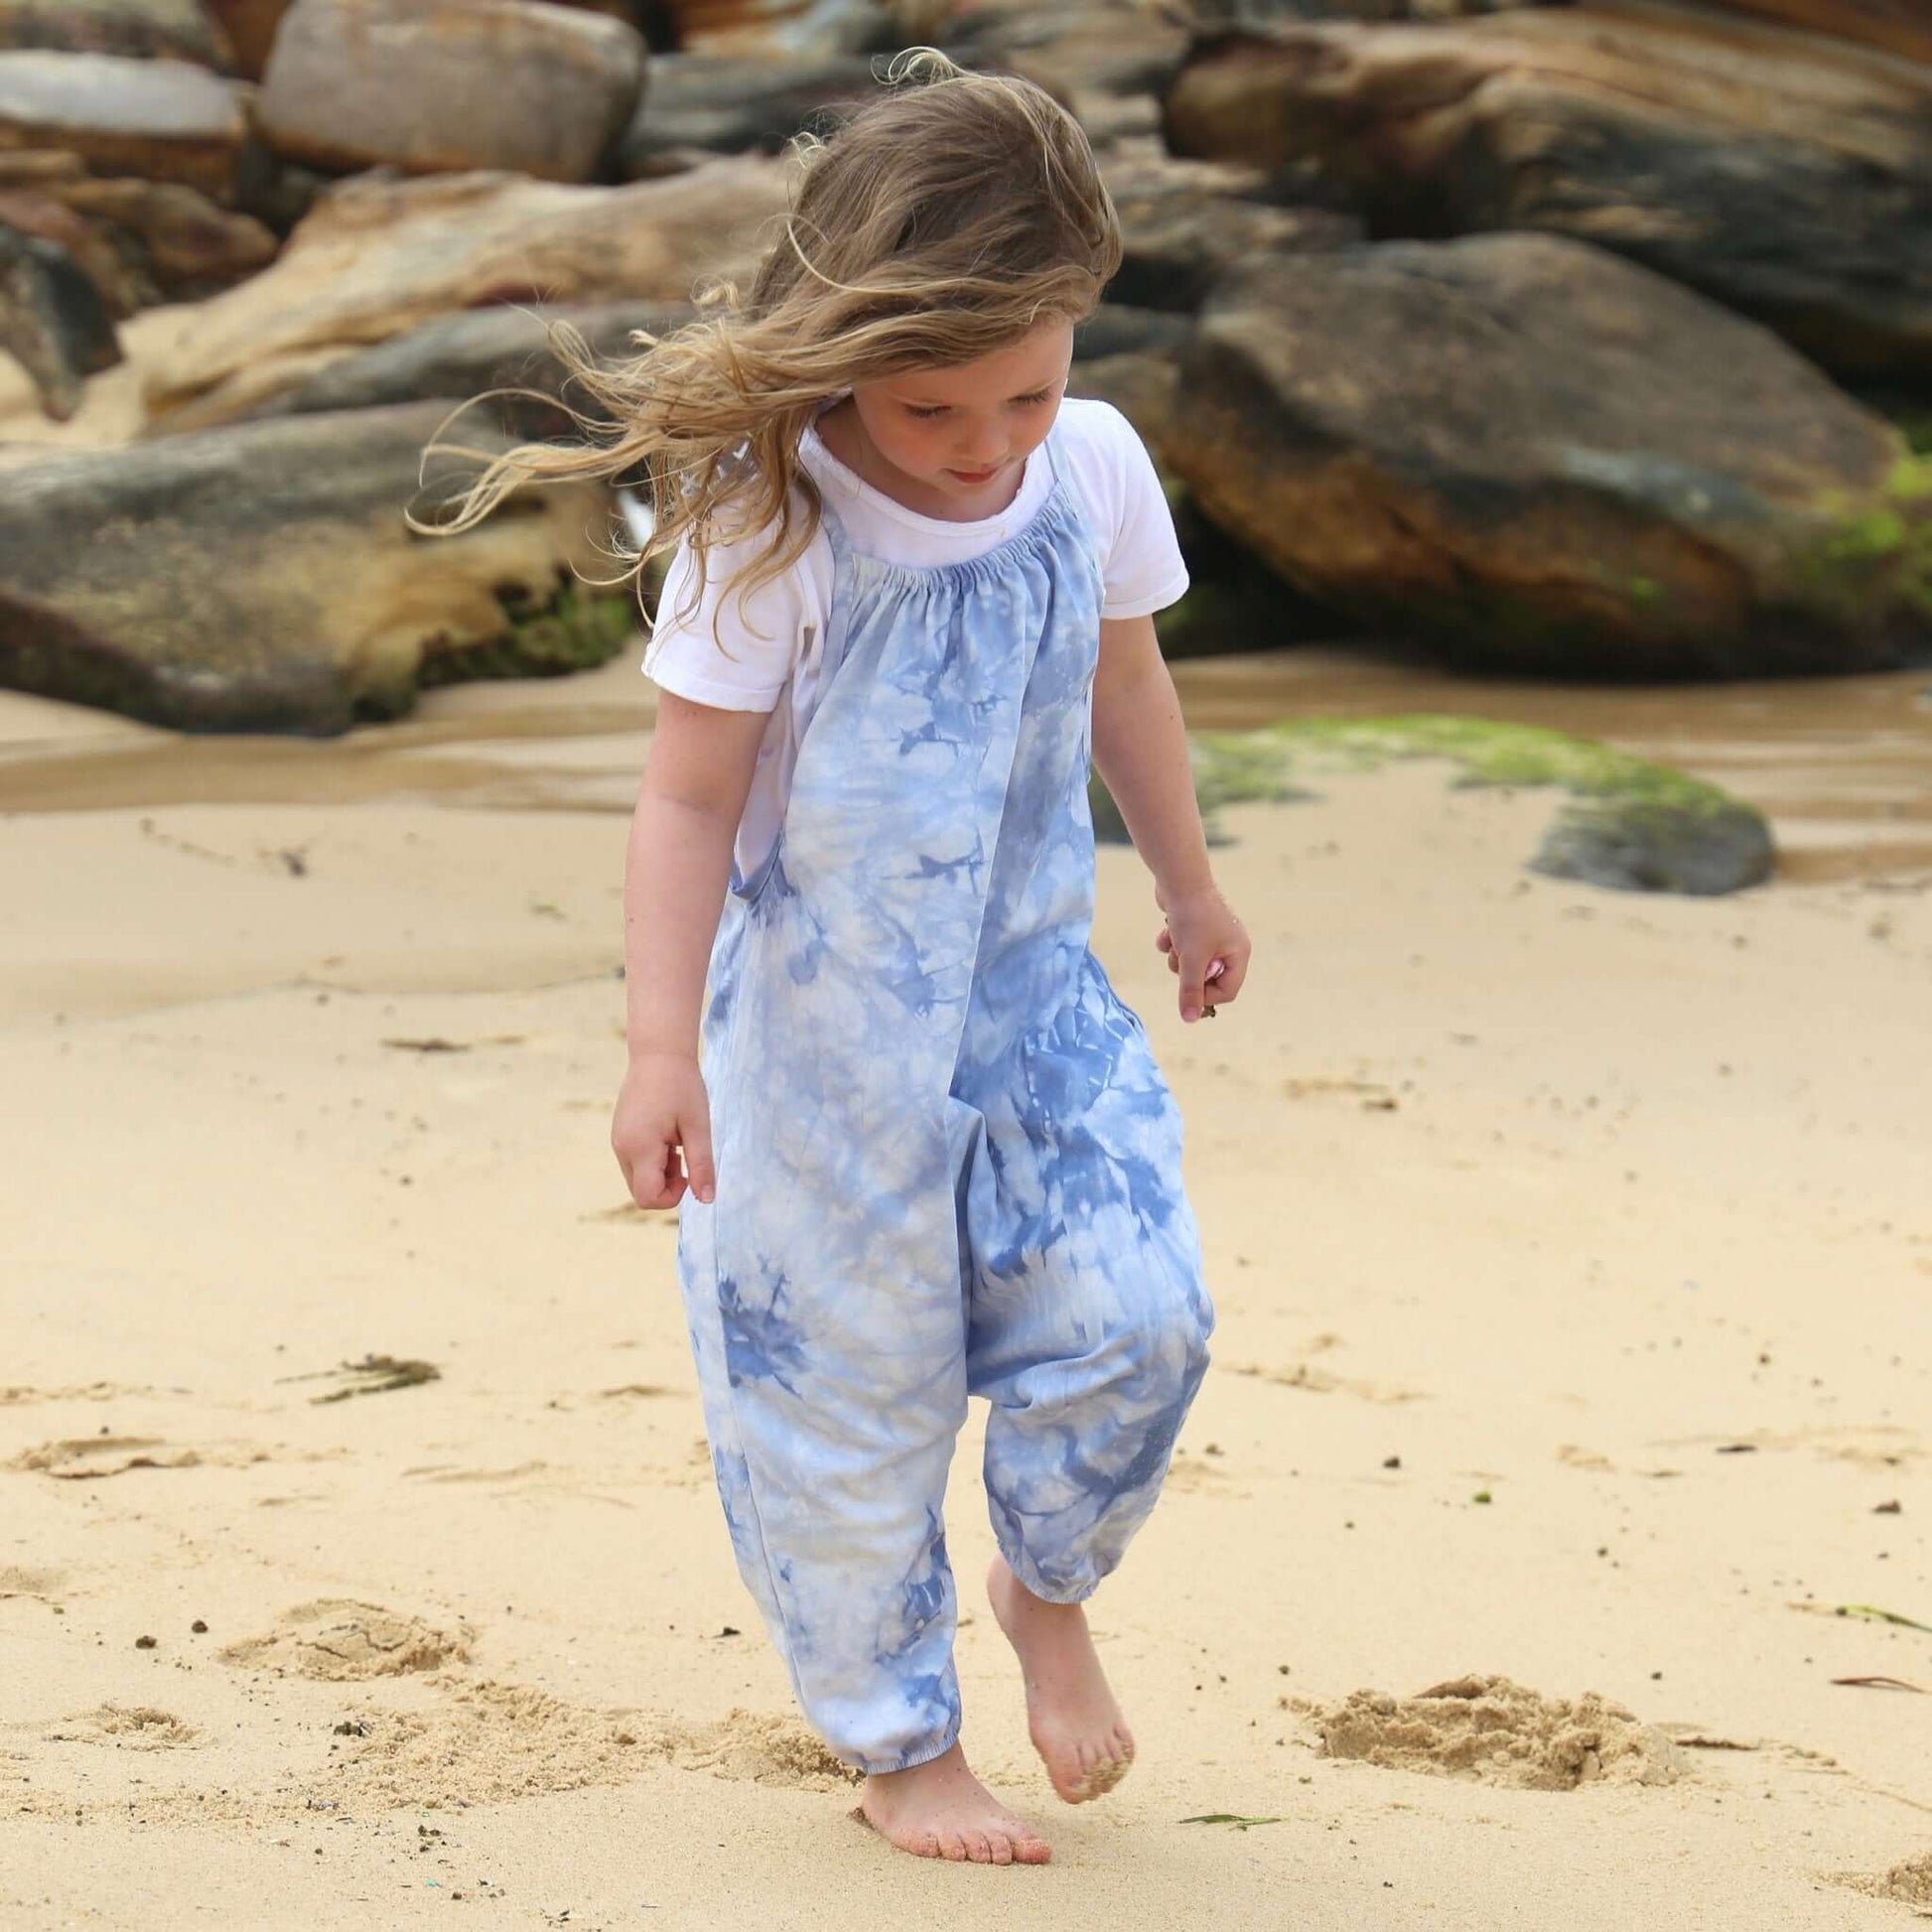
[{"x": 953, "y": 441}]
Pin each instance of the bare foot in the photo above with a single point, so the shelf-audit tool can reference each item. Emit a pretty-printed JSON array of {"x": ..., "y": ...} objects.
[
  {"x": 941, "y": 1810},
  {"x": 1075, "y": 1723}
]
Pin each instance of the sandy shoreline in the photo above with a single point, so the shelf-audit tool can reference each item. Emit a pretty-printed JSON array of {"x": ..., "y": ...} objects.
[{"x": 1551, "y": 1194}]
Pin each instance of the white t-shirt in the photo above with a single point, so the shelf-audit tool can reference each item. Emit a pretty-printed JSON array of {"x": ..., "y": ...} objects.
[{"x": 771, "y": 638}]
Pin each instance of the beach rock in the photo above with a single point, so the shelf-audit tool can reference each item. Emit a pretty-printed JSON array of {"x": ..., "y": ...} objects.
[
  {"x": 734, "y": 105},
  {"x": 1590, "y": 472},
  {"x": 379, "y": 257},
  {"x": 1902, "y": 27},
  {"x": 799, "y": 27},
  {"x": 438, "y": 86},
  {"x": 138, "y": 242},
  {"x": 461, "y": 356},
  {"x": 250, "y": 26},
  {"x": 1088, "y": 48},
  {"x": 40, "y": 210},
  {"x": 261, "y": 578},
  {"x": 1184, "y": 222},
  {"x": 52, "y": 321},
  {"x": 163, "y": 121},
  {"x": 1636, "y": 846},
  {"x": 1788, "y": 176},
  {"x": 175, "y": 30},
  {"x": 175, "y": 242}
]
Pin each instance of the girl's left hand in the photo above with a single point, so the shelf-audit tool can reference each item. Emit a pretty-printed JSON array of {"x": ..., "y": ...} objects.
[{"x": 1202, "y": 934}]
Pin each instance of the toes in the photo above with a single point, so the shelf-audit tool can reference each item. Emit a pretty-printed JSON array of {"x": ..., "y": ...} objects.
[
  {"x": 977, "y": 1848},
  {"x": 1032, "y": 1850},
  {"x": 999, "y": 1849},
  {"x": 952, "y": 1846}
]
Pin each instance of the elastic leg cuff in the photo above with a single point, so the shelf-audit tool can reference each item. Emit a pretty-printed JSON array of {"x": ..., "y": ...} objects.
[{"x": 913, "y": 1759}]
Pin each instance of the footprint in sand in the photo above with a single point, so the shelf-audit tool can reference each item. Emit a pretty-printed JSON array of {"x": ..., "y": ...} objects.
[
  {"x": 18, "y": 1394},
  {"x": 339, "y": 1640},
  {"x": 16, "y": 1579},
  {"x": 136, "y": 1727},
  {"x": 86, "y": 1459},
  {"x": 487, "y": 1741},
  {"x": 1494, "y": 1731},
  {"x": 1321, "y": 1381}
]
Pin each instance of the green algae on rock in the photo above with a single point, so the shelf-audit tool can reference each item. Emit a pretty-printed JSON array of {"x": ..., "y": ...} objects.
[
  {"x": 576, "y": 630},
  {"x": 1627, "y": 824}
]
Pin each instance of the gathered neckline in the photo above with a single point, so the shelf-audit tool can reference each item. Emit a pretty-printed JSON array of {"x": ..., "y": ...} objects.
[{"x": 940, "y": 526}]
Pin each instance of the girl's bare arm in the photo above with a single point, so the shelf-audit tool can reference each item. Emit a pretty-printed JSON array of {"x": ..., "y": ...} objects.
[
  {"x": 1140, "y": 746},
  {"x": 677, "y": 870}
]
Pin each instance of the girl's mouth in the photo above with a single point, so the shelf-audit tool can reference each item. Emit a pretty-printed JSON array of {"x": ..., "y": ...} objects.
[{"x": 975, "y": 476}]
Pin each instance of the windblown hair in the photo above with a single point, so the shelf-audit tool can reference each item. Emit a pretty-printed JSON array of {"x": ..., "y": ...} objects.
[{"x": 948, "y": 217}]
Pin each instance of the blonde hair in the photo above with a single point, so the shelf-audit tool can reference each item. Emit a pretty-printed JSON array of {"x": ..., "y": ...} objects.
[{"x": 945, "y": 218}]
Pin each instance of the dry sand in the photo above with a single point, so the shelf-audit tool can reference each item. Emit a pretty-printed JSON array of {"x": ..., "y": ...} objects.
[{"x": 1613, "y": 1211}]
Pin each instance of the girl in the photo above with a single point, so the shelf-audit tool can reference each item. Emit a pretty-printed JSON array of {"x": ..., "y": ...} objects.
[{"x": 928, "y": 1154}]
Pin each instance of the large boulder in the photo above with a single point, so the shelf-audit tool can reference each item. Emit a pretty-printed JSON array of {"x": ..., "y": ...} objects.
[
  {"x": 1788, "y": 176},
  {"x": 380, "y": 257},
  {"x": 261, "y": 577},
  {"x": 729, "y": 104},
  {"x": 176, "y": 29},
  {"x": 138, "y": 241},
  {"x": 438, "y": 86},
  {"x": 480, "y": 351},
  {"x": 791, "y": 27},
  {"x": 1902, "y": 27},
  {"x": 250, "y": 27},
  {"x": 1543, "y": 459},
  {"x": 163, "y": 120},
  {"x": 53, "y": 320},
  {"x": 1184, "y": 222}
]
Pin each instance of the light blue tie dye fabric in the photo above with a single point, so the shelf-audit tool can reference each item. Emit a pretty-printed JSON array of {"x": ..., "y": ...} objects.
[{"x": 947, "y": 1163}]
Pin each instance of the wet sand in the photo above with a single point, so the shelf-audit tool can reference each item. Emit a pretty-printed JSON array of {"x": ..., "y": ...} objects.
[{"x": 1610, "y": 1210}]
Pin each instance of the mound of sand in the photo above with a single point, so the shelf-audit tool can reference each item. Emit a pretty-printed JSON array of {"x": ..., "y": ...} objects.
[
  {"x": 1495, "y": 1732},
  {"x": 339, "y": 1640},
  {"x": 1910, "y": 1883},
  {"x": 755, "y": 1749}
]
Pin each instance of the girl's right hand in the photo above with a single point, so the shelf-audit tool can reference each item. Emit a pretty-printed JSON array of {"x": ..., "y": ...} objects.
[{"x": 662, "y": 1109}]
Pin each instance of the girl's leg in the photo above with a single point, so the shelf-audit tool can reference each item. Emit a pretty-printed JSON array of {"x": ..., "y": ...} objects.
[
  {"x": 832, "y": 1419},
  {"x": 1089, "y": 1338}
]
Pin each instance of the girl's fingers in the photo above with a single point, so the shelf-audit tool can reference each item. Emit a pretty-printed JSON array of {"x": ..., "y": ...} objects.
[
  {"x": 1193, "y": 974},
  {"x": 699, "y": 1168},
  {"x": 1164, "y": 940}
]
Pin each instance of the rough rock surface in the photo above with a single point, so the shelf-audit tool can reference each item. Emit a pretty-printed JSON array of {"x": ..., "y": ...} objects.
[
  {"x": 444, "y": 85},
  {"x": 1184, "y": 222},
  {"x": 261, "y": 577},
  {"x": 734, "y": 106},
  {"x": 52, "y": 321},
  {"x": 250, "y": 27},
  {"x": 176, "y": 29},
  {"x": 1591, "y": 471},
  {"x": 463, "y": 355},
  {"x": 380, "y": 257},
  {"x": 1788, "y": 176},
  {"x": 138, "y": 242},
  {"x": 161, "y": 120},
  {"x": 1902, "y": 27}
]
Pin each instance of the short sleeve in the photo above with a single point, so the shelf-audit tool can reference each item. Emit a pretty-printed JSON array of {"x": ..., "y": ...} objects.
[
  {"x": 734, "y": 652},
  {"x": 1141, "y": 567}
]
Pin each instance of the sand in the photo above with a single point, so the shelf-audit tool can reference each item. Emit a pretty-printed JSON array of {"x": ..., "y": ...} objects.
[{"x": 1573, "y": 1261}]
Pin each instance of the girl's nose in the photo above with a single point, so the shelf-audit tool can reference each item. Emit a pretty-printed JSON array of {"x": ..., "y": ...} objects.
[{"x": 983, "y": 448}]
